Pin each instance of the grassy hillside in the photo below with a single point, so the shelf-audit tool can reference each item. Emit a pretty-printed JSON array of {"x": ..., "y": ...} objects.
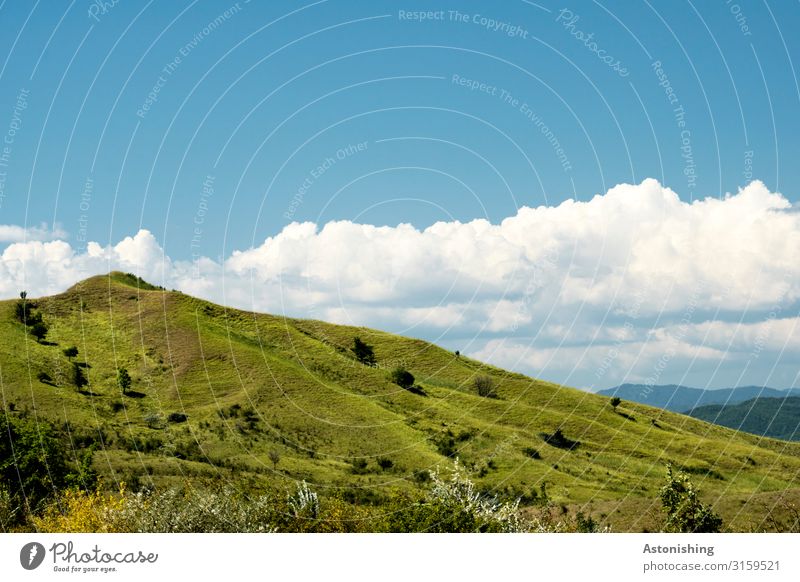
[
  {"x": 277, "y": 400},
  {"x": 773, "y": 417}
]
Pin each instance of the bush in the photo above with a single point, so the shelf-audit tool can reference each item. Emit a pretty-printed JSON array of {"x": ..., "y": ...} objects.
[
  {"x": 403, "y": 378},
  {"x": 177, "y": 417},
  {"x": 385, "y": 464},
  {"x": 685, "y": 512},
  {"x": 123, "y": 380},
  {"x": 44, "y": 378},
  {"x": 363, "y": 352},
  {"x": 359, "y": 466},
  {"x": 485, "y": 386},
  {"x": 71, "y": 352},
  {"x": 559, "y": 440},
  {"x": 153, "y": 420},
  {"x": 8, "y": 511},
  {"x": 78, "y": 377},
  {"x": 454, "y": 505},
  {"x": 32, "y": 460},
  {"x": 532, "y": 453},
  {"x": 39, "y": 331},
  {"x": 615, "y": 401},
  {"x": 169, "y": 511}
]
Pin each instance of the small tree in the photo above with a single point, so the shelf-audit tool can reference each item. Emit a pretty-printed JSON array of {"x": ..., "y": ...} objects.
[
  {"x": 685, "y": 512},
  {"x": 123, "y": 380},
  {"x": 71, "y": 353},
  {"x": 484, "y": 386},
  {"x": 275, "y": 457},
  {"x": 614, "y": 402},
  {"x": 39, "y": 331},
  {"x": 363, "y": 352},
  {"x": 23, "y": 307},
  {"x": 78, "y": 377},
  {"x": 403, "y": 378}
]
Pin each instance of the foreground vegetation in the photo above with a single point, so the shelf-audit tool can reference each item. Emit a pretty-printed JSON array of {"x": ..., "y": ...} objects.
[{"x": 172, "y": 396}]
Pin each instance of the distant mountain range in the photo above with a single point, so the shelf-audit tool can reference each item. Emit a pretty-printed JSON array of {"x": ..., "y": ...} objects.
[
  {"x": 683, "y": 399},
  {"x": 773, "y": 417}
]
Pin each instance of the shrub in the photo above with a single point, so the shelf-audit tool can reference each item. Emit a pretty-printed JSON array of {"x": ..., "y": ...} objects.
[
  {"x": 359, "y": 466},
  {"x": 454, "y": 505},
  {"x": 532, "y": 453},
  {"x": 685, "y": 512},
  {"x": 78, "y": 377},
  {"x": 559, "y": 440},
  {"x": 177, "y": 417},
  {"x": 71, "y": 352},
  {"x": 153, "y": 420},
  {"x": 32, "y": 460},
  {"x": 39, "y": 331},
  {"x": 485, "y": 386},
  {"x": 403, "y": 378},
  {"x": 614, "y": 402},
  {"x": 304, "y": 503},
  {"x": 168, "y": 511},
  {"x": 363, "y": 352},
  {"x": 385, "y": 463},
  {"x": 8, "y": 511},
  {"x": 117, "y": 407},
  {"x": 44, "y": 378},
  {"x": 275, "y": 458},
  {"x": 123, "y": 380}
]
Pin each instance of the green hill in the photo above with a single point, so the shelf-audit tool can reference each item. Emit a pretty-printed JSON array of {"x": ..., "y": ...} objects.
[
  {"x": 773, "y": 417},
  {"x": 278, "y": 400}
]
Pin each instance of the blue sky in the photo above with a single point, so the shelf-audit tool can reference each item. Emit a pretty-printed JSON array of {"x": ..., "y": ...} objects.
[{"x": 214, "y": 126}]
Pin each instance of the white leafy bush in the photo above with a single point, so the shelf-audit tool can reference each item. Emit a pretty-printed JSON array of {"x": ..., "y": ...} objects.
[
  {"x": 194, "y": 511},
  {"x": 304, "y": 503},
  {"x": 458, "y": 493}
]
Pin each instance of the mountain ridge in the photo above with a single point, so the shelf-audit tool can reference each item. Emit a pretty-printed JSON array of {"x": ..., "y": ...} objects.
[{"x": 678, "y": 398}]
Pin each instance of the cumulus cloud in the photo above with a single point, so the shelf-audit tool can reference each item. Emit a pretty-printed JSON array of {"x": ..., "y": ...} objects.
[
  {"x": 10, "y": 233},
  {"x": 550, "y": 290}
]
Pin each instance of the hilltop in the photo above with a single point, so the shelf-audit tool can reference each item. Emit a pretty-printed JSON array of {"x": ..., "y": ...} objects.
[{"x": 218, "y": 392}]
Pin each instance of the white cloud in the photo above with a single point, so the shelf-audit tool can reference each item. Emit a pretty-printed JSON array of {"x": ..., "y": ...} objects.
[
  {"x": 635, "y": 268},
  {"x": 10, "y": 233}
]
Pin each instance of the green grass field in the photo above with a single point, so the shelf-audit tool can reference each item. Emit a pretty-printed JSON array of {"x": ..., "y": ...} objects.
[{"x": 259, "y": 389}]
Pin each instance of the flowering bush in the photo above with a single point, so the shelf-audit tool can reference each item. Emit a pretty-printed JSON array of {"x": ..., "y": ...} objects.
[{"x": 454, "y": 505}]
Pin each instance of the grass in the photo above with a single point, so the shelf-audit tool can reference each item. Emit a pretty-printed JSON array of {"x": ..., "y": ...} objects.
[{"x": 254, "y": 383}]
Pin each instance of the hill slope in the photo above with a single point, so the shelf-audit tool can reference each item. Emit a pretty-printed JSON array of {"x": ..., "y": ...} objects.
[
  {"x": 279, "y": 400},
  {"x": 773, "y": 417},
  {"x": 683, "y": 398}
]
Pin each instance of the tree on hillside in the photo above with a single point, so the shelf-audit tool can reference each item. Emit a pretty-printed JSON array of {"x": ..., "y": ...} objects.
[
  {"x": 71, "y": 352},
  {"x": 275, "y": 457},
  {"x": 685, "y": 512},
  {"x": 39, "y": 331},
  {"x": 78, "y": 377},
  {"x": 402, "y": 378},
  {"x": 363, "y": 352},
  {"x": 614, "y": 402},
  {"x": 123, "y": 380},
  {"x": 22, "y": 308}
]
